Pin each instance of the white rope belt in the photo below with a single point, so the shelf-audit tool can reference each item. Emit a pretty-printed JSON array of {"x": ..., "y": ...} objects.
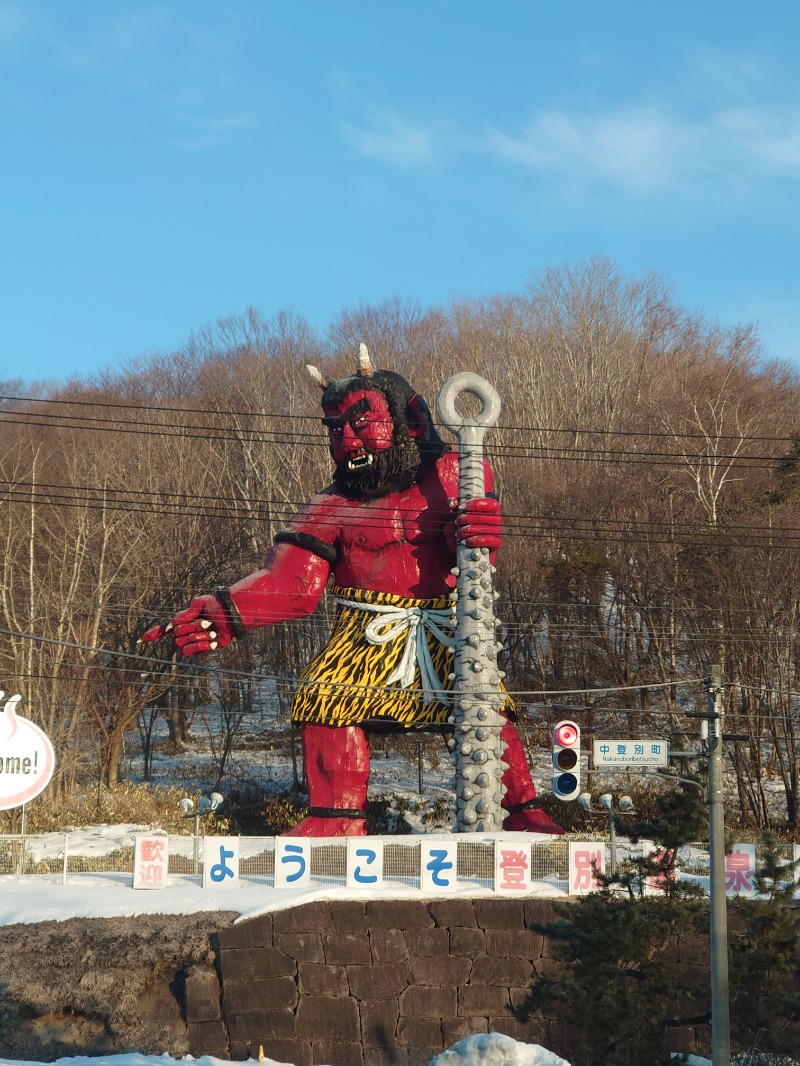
[{"x": 416, "y": 623}]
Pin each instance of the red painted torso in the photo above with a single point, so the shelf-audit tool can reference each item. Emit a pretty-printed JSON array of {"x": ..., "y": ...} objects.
[{"x": 394, "y": 543}]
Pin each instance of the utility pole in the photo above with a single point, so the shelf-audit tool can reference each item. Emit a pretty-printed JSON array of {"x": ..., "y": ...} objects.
[{"x": 720, "y": 993}]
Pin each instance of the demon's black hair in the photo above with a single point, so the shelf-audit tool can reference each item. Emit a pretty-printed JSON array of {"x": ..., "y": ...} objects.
[{"x": 398, "y": 394}]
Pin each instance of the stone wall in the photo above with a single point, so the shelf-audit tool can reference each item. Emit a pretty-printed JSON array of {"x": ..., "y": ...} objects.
[
  {"x": 97, "y": 986},
  {"x": 381, "y": 983},
  {"x": 384, "y": 982}
]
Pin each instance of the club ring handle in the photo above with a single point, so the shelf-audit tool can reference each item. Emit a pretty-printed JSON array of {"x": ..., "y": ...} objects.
[{"x": 469, "y": 427}]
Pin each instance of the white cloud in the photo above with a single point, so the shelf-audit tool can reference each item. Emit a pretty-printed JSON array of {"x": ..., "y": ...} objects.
[
  {"x": 643, "y": 150},
  {"x": 636, "y": 149},
  {"x": 717, "y": 76},
  {"x": 387, "y": 138},
  {"x": 14, "y": 24},
  {"x": 767, "y": 140},
  {"x": 724, "y": 118},
  {"x": 380, "y": 133},
  {"x": 721, "y": 118},
  {"x": 175, "y": 67}
]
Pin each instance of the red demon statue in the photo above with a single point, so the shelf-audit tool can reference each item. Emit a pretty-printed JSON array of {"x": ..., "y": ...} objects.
[{"x": 386, "y": 530}]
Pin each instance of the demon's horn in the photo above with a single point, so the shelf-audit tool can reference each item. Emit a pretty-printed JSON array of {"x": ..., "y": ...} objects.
[
  {"x": 318, "y": 376},
  {"x": 366, "y": 368}
]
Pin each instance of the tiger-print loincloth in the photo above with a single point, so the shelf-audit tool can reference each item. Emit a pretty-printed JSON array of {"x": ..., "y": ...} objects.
[{"x": 347, "y": 683}]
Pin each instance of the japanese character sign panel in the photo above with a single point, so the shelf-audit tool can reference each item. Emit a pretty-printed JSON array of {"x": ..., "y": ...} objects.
[
  {"x": 364, "y": 862},
  {"x": 150, "y": 860},
  {"x": 586, "y": 860},
  {"x": 439, "y": 863},
  {"x": 512, "y": 868},
  {"x": 292, "y": 862},
  {"x": 630, "y": 752},
  {"x": 221, "y": 862},
  {"x": 740, "y": 868}
]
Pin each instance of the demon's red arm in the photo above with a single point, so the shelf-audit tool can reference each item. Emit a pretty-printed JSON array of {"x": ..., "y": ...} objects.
[{"x": 289, "y": 586}]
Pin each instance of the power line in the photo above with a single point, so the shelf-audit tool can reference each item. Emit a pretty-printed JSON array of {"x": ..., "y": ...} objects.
[
  {"x": 362, "y": 515},
  {"x": 147, "y": 661},
  {"x": 577, "y": 454},
  {"x": 344, "y": 686},
  {"x": 283, "y": 415}
]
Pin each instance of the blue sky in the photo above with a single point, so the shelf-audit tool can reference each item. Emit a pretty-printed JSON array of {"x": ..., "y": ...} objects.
[{"x": 168, "y": 163}]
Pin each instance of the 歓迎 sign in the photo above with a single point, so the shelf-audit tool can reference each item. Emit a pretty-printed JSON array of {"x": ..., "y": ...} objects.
[
  {"x": 27, "y": 759},
  {"x": 631, "y": 752}
]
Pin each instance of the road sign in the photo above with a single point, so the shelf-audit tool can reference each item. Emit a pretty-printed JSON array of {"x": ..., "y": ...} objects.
[{"x": 630, "y": 752}]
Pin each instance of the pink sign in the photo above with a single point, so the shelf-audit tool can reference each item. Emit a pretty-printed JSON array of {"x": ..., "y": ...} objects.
[
  {"x": 26, "y": 758},
  {"x": 740, "y": 868},
  {"x": 512, "y": 871},
  {"x": 585, "y": 862},
  {"x": 150, "y": 861}
]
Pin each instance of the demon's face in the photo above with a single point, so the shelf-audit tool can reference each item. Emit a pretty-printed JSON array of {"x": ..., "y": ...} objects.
[
  {"x": 372, "y": 449},
  {"x": 359, "y": 428}
]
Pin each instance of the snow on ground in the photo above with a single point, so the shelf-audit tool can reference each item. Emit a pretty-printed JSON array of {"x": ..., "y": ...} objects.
[
  {"x": 34, "y": 898},
  {"x": 493, "y": 1049}
]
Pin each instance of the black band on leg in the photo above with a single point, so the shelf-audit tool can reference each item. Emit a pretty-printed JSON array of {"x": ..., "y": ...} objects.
[
  {"x": 335, "y": 812},
  {"x": 528, "y": 806}
]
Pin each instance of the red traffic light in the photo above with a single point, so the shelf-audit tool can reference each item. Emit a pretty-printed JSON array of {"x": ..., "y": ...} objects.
[{"x": 566, "y": 734}]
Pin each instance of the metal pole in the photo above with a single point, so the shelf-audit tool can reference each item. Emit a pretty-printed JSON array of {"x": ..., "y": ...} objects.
[
  {"x": 720, "y": 1004},
  {"x": 612, "y": 841},
  {"x": 477, "y": 698},
  {"x": 196, "y": 842},
  {"x": 23, "y": 840}
]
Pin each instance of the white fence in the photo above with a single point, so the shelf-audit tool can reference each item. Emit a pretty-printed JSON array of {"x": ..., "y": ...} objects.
[
  {"x": 110, "y": 855},
  {"x": 113, "y": 857}
]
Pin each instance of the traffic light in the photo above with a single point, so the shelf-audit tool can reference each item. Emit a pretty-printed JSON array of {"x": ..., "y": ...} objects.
[{"x": 566, "y": 760}]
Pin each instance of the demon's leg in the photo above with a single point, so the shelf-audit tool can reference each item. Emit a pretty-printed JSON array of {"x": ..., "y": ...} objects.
[
  {"x": 519, "y": 787},
  {"x": 337, "y": 770}
]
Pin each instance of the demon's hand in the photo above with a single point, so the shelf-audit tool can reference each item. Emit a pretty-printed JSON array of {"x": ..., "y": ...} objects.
[
  {"x": 479, "y": 523},
  {"x": 203, "y": 626}
]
